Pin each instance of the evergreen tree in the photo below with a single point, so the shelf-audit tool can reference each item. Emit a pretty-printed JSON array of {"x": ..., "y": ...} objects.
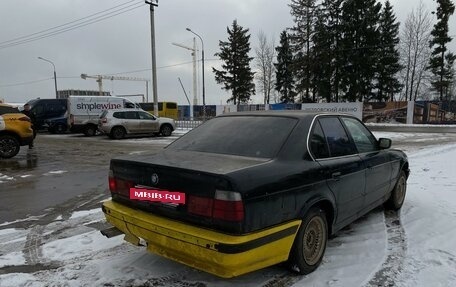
[
  {"x": 284, "y": 83},
  {"x": 236, "y": 75},
  {"x": 388, "y": 66},
  {"x": 326, "y": 40},
  {"x": 441, "y": 62},
  {"x": 303, "y": 12},
  {"x": 361, "y": 37}
]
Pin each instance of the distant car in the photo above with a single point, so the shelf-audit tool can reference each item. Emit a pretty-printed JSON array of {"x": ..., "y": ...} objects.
[
  {"x": 57, "y": 125},
  {"x": 15, "y": 131},
  {"x": 119, "y": 123},
  {"x": 44, "y": 109},
  {"x": 254, "y": 189}
]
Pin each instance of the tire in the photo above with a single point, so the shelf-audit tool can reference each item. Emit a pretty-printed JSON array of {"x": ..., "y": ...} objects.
[
  {"x": 117, "y": 133},
  {"x": 310, "y": 242},
  {"x": 166, "y": 130},
  {"x": 9, "y": 146},
  {"x": 397, "y": 197},
  {"x": 90, "y": 130}
]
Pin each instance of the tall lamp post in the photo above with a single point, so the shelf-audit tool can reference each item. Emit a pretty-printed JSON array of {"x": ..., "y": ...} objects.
[
  {"x": 202, "y": 61},
  {"x": 154, "y": 63},
  {"x": 55, "y": 75}
]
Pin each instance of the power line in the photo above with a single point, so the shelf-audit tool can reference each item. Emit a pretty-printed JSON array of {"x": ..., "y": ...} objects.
[
  {"x": 55, "y": 31},
  {"x": 26, "y": 83}
]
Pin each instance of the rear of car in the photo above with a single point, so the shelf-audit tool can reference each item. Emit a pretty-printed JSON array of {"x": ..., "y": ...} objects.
[
  {"x": 15, "y": 131},
  {"x": 211, "y": 230}
]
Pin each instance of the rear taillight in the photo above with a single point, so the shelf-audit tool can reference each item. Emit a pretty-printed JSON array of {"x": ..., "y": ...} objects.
[
  {"x": 104, "y": 120},
  {"x": 226, "y": 205},
  {"x": 71, "y": 119},
  {"x": 121, "y": 186}
]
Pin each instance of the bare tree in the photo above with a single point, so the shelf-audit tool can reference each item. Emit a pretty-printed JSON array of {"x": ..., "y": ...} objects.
[
  {"x": 265, "y": 53},
  {"x": 415, "y": 51}
]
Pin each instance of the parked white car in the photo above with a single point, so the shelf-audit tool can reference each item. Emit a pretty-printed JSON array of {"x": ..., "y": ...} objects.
[{"x": 119, "y": 123}]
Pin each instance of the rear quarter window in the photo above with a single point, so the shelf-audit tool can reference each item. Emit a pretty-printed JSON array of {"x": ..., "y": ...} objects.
[
  {"x": 338, "y": 141},
  {"x": 119, "y": 115}
]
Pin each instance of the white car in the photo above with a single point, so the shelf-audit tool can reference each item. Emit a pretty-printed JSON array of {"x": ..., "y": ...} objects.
[{"x": 121, "y": 122}]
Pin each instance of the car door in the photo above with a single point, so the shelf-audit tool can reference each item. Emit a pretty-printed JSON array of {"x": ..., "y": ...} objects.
[
  {"x": 377, "y": 162},
  {"x": 343, "y": 168},
  {"x": 131, "y": 122},
  {"x": 148, "y": 123}
]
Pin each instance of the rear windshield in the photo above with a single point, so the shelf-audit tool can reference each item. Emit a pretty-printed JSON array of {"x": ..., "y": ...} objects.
[
  {"x": 8, "y": 110},
  {"x": 252, "y": 136}
]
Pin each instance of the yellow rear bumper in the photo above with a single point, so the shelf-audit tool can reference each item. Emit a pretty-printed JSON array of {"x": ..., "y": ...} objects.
[{"x": 217, "y": 253}]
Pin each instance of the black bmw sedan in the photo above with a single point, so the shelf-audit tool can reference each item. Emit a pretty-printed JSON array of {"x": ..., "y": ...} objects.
[{"x": 248, "y": 190}]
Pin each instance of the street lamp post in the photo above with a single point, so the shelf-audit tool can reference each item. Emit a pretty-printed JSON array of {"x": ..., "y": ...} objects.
[
  {"x": 55, "y": 75},
  {"x": 154, "y": 63},
  {"x": 202, "y": 61}
]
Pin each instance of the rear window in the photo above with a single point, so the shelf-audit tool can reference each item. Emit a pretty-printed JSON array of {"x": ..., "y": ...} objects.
[
  {"x": 8, "y": 110},
  {"x": 251, "y": 136},
  {"x": 119, "y": 115}
]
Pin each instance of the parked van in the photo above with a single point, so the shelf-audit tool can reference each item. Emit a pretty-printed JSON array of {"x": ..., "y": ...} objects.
[
  {"x": 44, "y": 109},
  {"x": 84, "y": 111}
]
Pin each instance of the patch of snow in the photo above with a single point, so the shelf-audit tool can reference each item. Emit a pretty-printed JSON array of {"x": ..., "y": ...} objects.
[
  {"x": 11, "y": 259},
  {"x": 83, "y": 213}
]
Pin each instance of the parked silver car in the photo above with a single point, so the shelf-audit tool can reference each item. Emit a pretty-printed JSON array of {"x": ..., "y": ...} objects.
[{"x": 118, "y": 123}]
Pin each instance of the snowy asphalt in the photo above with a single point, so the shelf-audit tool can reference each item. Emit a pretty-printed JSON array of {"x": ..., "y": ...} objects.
[{"x": 53, "y": 238}]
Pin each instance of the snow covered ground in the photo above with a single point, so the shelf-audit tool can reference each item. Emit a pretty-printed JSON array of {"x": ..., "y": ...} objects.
[{"x": 416, "y": 247}]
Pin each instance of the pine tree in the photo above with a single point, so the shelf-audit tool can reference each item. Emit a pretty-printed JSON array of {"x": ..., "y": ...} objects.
[
  {"x": 441, "y": 61},
  {"x": 360, "y": 19},
  {"x": 326, "y": 40},
  {"x": 284, "y": 83},
  {"x": 388, "y": 66},
  {"x": 236, "y": 75},
  {"x": 303, "y": 12}
]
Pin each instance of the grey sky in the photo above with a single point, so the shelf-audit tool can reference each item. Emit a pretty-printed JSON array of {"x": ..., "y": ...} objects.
[{"x": 122, "y": 43}]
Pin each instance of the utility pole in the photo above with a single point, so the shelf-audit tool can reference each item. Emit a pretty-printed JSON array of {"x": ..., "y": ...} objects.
[
  {"x": 55, "y": 75},
  {"x": 202, "y": 61},
  {"x": 154, "y": 63}
]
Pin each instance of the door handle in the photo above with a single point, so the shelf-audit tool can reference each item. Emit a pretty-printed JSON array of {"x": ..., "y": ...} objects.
[{"x": 336, "y": 175}]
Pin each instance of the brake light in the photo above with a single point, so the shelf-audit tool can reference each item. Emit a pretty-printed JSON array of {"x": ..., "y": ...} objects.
[
  {"x": 121, "y": 186},
  {"x": 226, "y": 205},
  {"x": 104, "y": 120},
  {"x": 200, "y": 205}
]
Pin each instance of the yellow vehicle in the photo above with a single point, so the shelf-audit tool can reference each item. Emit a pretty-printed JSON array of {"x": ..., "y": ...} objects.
[
  {"x": 165, "y": 109},
  {"x": 15, "y": 131}
]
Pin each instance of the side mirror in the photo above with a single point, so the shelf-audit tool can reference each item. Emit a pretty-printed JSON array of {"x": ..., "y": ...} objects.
[{"x": 384, "y": 143}]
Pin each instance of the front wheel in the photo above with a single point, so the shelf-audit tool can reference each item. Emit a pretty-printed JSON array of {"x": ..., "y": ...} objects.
[
  {"x": 396, "y": 200},
  {"x": 9, "y": 146},
  {"x": 310, "y": 242},
  {"x": 166, "y": 130}
]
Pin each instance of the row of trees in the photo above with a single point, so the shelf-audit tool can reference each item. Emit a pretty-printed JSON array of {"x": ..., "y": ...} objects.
[{"x": 342, "y": 50}]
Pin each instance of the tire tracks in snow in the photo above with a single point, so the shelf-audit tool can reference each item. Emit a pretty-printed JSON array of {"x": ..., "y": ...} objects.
[{"x": 393, "y": 266}]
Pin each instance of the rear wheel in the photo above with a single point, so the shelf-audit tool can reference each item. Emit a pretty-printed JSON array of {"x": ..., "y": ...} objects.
[
  {"x": 117, "y": 133},
  {"x": 310, "y": 242},
  {"x": 9, "y": 146},
  {"x": 60, "y": 128},
  {"x": 397, "y": 197},
  {"x": 166, "y": 130},
  {"x": 90, "y": 130}
]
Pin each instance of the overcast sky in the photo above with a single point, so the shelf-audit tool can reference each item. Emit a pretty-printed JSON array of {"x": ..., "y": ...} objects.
[{"x": 121, "y": 44}]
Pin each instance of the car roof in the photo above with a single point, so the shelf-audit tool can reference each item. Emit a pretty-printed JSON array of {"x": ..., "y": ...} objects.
[
  {"x": 126, "y": 110},
  {"x": 303, "y": 115}
]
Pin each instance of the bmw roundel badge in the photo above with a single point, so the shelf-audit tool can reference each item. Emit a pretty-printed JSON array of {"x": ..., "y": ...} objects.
[{"x": 154, "y": 179}]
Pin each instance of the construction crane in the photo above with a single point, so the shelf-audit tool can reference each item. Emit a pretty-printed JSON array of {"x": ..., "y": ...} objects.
[
  {"x": 194, "y": 52},
  {"x": 100, "y": 78}
]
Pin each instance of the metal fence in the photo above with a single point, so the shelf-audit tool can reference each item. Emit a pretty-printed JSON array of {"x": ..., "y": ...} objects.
[{"x": 188, "y": 124}]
